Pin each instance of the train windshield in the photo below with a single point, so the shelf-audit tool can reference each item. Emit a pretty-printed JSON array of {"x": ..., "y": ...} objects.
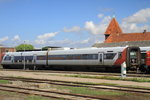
[{"x": 133, "y": 54}]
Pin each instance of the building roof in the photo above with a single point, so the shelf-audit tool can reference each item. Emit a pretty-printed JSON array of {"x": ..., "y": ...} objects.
[
  {"x": 128, "y": 37},
  {"x": 122, "y": 44},
  {"x": 113, "y": 27}
]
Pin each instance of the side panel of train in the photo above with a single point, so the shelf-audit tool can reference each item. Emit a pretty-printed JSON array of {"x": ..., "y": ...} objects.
[
  {"x": 103, "y": 56},
  {"x": 99, "y": 57},
  {"x": 16, "y": 59}
]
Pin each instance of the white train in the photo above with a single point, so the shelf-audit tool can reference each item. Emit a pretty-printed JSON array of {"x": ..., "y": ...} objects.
[{"x": 91, "y": 58}]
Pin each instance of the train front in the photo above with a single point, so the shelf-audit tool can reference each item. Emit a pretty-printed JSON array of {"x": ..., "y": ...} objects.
[{"x": 133, "y": 58}]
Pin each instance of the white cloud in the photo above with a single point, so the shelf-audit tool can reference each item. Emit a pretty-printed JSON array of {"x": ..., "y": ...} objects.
[
  {"x": 97, "y": 28},
  {"x": 60, "y": 42},
  {"x": 16, "y": 38},
  {"x": 139, "y": 17},
  {"x": 72, "y": 29},
  {"x": 135, "y": 23},
  {"x": 40, "y": 42},
  {"x": 4, "y": 39},
  {"x": 43, "y": 39},
  {"x": 85, "y": 41},
  {"x": 100, "y": 15},
  {"x": 47, "y": 35}
]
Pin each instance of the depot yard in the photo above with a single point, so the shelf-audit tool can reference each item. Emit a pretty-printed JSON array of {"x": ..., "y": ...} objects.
[{"x": 97, "y": 80}]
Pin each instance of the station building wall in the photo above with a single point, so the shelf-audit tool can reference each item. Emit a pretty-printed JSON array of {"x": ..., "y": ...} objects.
[{"x": 3, "y": 50}]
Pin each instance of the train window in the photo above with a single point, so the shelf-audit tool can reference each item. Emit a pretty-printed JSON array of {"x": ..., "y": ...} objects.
[
  {"x": 29, "y": 57},
  {"x": 119, "y": 54},
  {"x": 73, "y": 57},
  {"x": 18, "y": 58},
  {"x": 109, "y": 55},
  {"x": 133, "y": 54},
  {"x": 84, "y": 56},
  {"x": 41, "y": 57},
  {"x": 7, "y": 57},
  {"x": 143, "y": 55},
  {"x": 109, "y": 51},
  {"x": 94, "y": 56}
]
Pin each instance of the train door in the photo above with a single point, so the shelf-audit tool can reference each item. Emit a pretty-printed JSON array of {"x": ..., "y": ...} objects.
[
  {"x": 133, "y": 58},
  {"x": 101, "y": 60},
  {"x": 12, "y": 59},
  {"x": 34, "y": 61}
]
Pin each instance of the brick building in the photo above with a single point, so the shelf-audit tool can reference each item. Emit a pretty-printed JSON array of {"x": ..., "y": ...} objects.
[
  {"x": 114, "y": 36},
  {"x": 3, "y": 50}
]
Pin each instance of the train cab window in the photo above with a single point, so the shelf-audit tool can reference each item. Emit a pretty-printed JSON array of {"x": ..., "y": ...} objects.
[
  {"x": 109, "y": 55},
  {"x": 7, "y": 57},
  {"x": 133, "y": 54}
]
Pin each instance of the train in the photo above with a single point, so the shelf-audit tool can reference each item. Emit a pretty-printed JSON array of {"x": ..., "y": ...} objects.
[{"x": 107, "y": 58}]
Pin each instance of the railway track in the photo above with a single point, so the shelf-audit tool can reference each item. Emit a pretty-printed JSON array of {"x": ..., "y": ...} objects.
[
  {"x": 77, "y": 84},
  {"x": 48, "y": 93},
  {"x": 130, "y": 74}
]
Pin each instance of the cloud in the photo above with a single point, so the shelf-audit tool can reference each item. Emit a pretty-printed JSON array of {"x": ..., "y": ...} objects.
[
  {"x": 97, "y": 28},
  {"x": 85, "y": 41},
  {"x": 136, "y": 22},
  {"x": 42, "y": 39},
  {"x": 72, "y": 29},
  {"x": 4, "y": 39},
  {"x": 100, "y": 15},
  {"x": 47, "y": 35},
  {"x": 16, "y": 38},
  {"x": 40, "y": 42},
  {"x": 141, "y": 16}
]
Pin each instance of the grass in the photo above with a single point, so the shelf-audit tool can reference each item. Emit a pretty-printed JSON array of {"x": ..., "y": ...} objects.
[
  {"x": 4, "y": 81},
  {"x": 111, "y": 78},
  {"x": 14, "y": 95},
  {"x": 1, "y": 66},
  {"x": 33, "y": 97},
  {"x": 88, "y": 91}
]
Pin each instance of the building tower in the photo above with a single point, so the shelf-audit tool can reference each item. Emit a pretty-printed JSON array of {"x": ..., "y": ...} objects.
[{"x": 113, "y": 28}]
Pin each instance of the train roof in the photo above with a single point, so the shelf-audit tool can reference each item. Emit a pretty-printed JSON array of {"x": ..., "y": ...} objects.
[{"x": 87, "y": 50}]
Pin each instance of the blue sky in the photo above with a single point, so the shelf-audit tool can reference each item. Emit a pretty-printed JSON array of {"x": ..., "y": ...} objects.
[{"x": 68, "y": 23}]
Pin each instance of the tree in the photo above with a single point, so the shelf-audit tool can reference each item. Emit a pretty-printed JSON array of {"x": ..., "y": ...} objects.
[
  {"x": 23, "y": 47},
  {"x": 45, "y": 48}
]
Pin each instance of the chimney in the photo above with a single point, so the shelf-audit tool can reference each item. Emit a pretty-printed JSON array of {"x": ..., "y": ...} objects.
[{"x": 144, "y": 31}]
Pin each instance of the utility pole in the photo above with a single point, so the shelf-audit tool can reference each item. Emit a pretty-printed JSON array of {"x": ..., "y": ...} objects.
[{"x": 24, "y": 67}]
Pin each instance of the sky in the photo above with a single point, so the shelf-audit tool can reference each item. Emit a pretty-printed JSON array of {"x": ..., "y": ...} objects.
[{"x": 68, "y": 23}]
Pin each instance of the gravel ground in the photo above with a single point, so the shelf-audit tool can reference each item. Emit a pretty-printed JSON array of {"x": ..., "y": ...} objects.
[
  {"x": 39, "y": 75},
  {"x": 51, "y": 76}
]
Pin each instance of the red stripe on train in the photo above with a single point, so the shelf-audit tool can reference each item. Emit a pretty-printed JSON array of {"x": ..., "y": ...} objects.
[
  {"x": 121, "y": 59},
  {"x": 148, "y": 58}
]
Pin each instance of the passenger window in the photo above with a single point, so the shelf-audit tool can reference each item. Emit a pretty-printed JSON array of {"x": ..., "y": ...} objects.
[{"x": 109, "y": 55}]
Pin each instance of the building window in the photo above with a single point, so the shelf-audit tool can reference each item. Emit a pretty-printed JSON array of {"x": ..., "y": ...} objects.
[{"x": 7, "y": 50}]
